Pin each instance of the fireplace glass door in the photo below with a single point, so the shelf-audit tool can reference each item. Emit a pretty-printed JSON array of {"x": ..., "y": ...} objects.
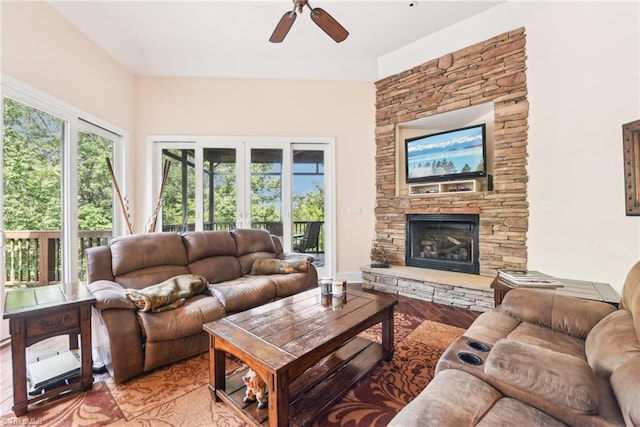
[{"x": 443, "y": 242}]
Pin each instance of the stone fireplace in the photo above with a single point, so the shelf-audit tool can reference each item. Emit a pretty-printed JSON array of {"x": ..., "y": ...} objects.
[
  {"x": 491, "y": 72},
  {"x": 443, "y": 242}
]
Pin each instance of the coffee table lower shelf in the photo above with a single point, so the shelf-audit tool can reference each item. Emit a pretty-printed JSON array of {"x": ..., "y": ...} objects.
[{"x": 315, "y": 390}]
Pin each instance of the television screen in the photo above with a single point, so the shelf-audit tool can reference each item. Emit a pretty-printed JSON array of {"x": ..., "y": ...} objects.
[{"x": 445, "y": 156}]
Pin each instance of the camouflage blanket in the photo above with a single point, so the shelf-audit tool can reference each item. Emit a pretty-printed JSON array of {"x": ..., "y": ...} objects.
[{"x": 171, "y": 293}]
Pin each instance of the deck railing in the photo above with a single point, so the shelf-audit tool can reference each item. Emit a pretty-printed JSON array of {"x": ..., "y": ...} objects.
[
  {"x": 35, "y": 257},
  {"x": 274, "y": 227}
]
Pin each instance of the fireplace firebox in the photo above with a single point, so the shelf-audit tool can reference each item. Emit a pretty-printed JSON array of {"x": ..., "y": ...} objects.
[{"x": 443, "y": 242}]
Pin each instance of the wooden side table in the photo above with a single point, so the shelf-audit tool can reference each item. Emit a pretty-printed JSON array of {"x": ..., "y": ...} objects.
[
  {"x": 594, "y": 291},
  {"x": 36, "y": 314}
]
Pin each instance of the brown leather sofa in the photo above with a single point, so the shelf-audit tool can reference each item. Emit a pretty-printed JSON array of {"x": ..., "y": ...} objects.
[
  {"x": 141, "y": 341},
  {"x": 549, "y": 360}
]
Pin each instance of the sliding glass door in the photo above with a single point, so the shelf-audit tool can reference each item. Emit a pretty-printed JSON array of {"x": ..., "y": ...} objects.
[
  {"x": 220, "y": 188},
  {"x": 266, "y": 199},
  {"x": 278, "y": 186},
  {"x": 308, "y": 200},
  {"x": 56, "y": 192}
]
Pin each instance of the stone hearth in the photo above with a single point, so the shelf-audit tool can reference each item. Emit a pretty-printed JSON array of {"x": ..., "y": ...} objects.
[{"x": 462, "y": 290}]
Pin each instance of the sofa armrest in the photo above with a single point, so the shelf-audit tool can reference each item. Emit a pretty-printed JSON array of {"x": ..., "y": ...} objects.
[
  {"x": 625, "y": 382},
  {"x": 110, "y": 295},
  {"x": 99, "y": 263},
  {"x": 121, "y": 320},
  {"x": 125, "y": 339},
  {"x": 572, "y": 316},
  {"x": 127, "y": 356}
]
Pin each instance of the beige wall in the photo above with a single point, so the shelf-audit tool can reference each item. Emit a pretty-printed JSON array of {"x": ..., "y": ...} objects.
[
  {"x": 578, "y": 106},
  {"x": 279, "y": 108},
  {"x": 41, "y": 49}
]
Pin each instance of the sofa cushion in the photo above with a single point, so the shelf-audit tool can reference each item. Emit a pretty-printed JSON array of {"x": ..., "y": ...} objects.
[
  {"x": 181, "y": 322},
  {"x": 612, "y": 342},
  {"x": 252, "y": 244},
  {"x": 140, "y": 251},
  {"x": 452, "y": 398},
  {"x": 171, "y": 293},
  {"x": 280, "y": 266},
  {"x": 542, "y": 375},
  {"x": 217, "y": 269},
  {"x": 244, "y": 293},
  {"x": 213, "y": 255},
  {"x": 548, "y": 338},
  {"x": 206, "y": 244},
  {"x": 561, "y": 313},
  {"x": 506, "y": 411}
]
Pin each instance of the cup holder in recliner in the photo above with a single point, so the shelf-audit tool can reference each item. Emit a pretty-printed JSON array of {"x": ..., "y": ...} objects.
[
  {"x": 479, "y": 346},
  {"x": 470, "y": 358}
]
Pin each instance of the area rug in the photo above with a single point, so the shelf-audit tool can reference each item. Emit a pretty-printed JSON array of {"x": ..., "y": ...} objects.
[{"x": 178, "y": 395}]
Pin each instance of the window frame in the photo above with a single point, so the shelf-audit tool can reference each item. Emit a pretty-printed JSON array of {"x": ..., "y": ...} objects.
[{"x": 75, "y": 120}]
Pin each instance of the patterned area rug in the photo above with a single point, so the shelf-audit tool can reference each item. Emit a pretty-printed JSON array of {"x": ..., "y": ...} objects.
[{"x": 177, "y": 395}]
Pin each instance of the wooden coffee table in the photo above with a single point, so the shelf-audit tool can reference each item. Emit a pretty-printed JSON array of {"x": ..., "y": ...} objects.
[{"x": 304, "y": 347}]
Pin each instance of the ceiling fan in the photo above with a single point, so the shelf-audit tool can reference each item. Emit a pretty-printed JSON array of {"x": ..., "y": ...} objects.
[{"x": 318, "y": 15}]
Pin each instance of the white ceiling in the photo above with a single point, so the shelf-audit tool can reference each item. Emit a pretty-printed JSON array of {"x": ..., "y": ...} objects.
[{"x": 230, "y": 38}]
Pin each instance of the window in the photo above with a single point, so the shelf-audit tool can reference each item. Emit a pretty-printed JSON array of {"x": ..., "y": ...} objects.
[
  {"x": 32, "y": 193},
  {"x": 54, "y": 164}
]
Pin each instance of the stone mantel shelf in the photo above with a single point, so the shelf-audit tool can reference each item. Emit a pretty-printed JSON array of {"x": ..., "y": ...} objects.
[{"x": 472, "y": 281}]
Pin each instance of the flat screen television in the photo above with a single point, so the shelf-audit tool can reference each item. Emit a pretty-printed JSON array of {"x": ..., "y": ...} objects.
[{"x": 447, "y": 156}]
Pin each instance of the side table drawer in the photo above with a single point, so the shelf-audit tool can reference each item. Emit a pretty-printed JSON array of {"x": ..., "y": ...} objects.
[{"x": 53, "y": 323}]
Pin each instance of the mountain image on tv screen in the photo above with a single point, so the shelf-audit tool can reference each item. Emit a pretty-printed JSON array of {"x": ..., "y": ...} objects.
[{"x": 448, "y": 153}]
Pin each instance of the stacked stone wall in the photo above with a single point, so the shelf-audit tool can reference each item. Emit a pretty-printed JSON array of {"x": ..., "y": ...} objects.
[{"x": 492, "y": 71}]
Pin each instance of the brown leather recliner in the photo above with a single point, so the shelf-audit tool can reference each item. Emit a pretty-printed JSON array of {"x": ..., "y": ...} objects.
[
  {"x": 549, "y": 360},
  {"x": 141, "y": 341}
]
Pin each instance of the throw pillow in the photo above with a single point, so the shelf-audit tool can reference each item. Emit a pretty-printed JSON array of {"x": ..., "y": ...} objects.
[
  {"x": 171, "y": 293},
  {"x": 280, "y": 266}
]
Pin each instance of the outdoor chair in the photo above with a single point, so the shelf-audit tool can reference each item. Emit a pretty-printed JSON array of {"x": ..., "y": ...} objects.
[{"x": 309, "y": 240}]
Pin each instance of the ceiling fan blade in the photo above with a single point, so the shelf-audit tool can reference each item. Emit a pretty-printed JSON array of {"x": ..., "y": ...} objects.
[
  {"x": 283, "y": 27},
  {"x": 328, "y": 24}
]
